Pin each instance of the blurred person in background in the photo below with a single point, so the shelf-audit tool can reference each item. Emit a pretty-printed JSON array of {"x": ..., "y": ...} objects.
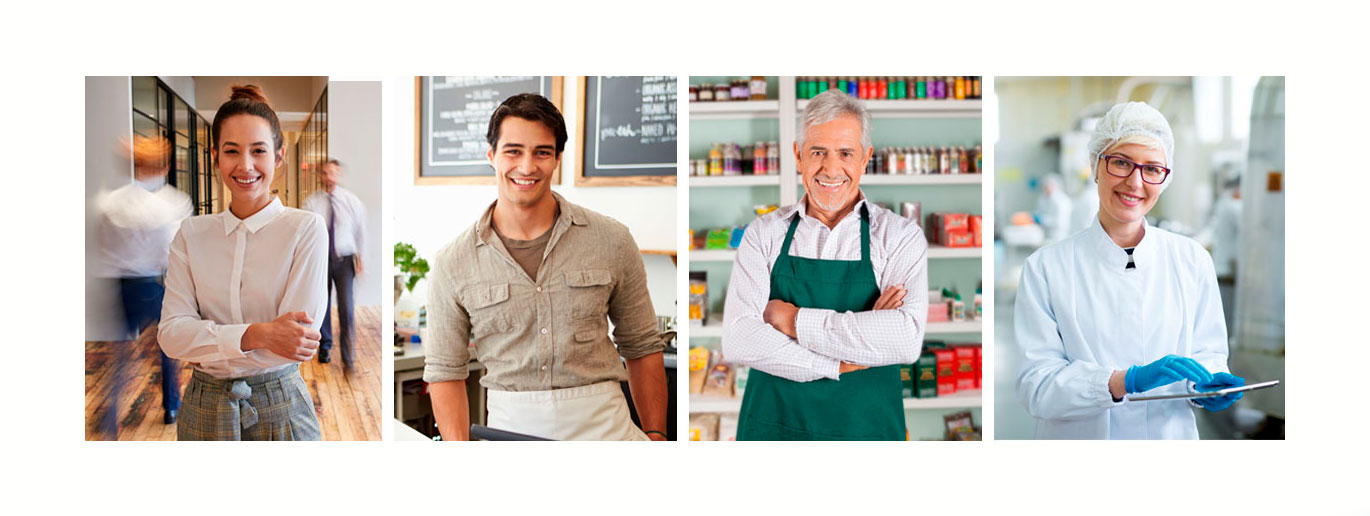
[
  {"x": 1084, "y": 210},
  {"x": 1122, "y": 307},
  {"x": 246, "y": 291},
  {"x": 135, "y": 226},
  {"x": 828, "y": 296},
  {"x": 1053, "y": 209},
  {"x": 1227, "y": 243},
  {"x": 346, "y": 218}
]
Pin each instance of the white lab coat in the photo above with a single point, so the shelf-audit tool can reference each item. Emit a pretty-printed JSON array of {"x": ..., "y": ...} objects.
[{"x": 1080, "y": 315}]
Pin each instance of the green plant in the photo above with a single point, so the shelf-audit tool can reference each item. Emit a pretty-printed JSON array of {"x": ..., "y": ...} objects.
[{"x": 407, "y": 261}]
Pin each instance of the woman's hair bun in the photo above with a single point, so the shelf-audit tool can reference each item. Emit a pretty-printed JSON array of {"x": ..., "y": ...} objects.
[{"x": 249, "y": 92}]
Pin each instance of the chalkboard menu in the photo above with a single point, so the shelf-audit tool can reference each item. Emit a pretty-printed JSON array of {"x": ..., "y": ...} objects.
[
  {"x": 452, "y": 116},
  {"x": 627, "y": 130}
]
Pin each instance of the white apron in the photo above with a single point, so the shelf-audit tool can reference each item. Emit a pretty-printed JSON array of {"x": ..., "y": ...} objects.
[{"x": 596, "y": 412}]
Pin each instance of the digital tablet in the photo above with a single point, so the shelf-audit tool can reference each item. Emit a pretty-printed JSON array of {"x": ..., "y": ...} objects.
[{"x": 1209, "y": 394}]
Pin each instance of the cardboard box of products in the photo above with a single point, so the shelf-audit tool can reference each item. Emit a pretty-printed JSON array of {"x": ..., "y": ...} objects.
[
  {"x": 958, "y": 238},
  {"x": 965, "y": 367},
  {"x": 946, "y": 372},
  {"x": 925, "y": 375},
  {"x": 943, "y": 224},
  {"x": 906, "y": 380},
  {"x": 978, "y": 372},
  {"x": 975, "y": 222},
  {"x": 938, "y": 310}
]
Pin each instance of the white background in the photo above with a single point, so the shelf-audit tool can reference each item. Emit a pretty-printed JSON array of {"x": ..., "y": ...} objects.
[{"x": 1319, "y": 469}]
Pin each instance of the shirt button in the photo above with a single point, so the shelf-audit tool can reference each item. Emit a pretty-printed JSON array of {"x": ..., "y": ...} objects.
[
  {"x": 544, "y": 368},
  {"x": 539, "y": 289},
  {"x": 544, "y": 331}
]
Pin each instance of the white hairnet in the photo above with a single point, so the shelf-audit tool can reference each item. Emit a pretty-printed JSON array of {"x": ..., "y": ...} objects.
[{"x": 1133, "y": 118}]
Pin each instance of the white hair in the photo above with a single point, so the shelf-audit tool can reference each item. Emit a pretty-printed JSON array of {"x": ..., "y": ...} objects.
[{"x": 829, "y": 105}]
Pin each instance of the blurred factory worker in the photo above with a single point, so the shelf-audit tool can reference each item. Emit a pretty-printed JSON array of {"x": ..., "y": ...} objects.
[
  {"x": 533, "y": 286},
  {"x": 1123, "y": 307},
  {"x": 1053, "y": 209},
  {"x": 1227, "y": 243},
  {"x": 827, "y": 296},
  {"x": 1084, "y": 210},
  {"x": 246, "y": 291},
  {"x": 346, "y": 218},
  {"x": 136, "y": 225}
]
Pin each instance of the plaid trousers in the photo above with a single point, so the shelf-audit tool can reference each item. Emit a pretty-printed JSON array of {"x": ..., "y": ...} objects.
[{"x": 272, "y": 406}]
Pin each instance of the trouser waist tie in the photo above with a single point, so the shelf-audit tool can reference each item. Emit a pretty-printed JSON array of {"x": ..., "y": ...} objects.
[{"x": 241, "y": 393}]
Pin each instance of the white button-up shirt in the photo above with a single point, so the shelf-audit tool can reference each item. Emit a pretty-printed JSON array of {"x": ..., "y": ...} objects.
[
  {"x": 899, "y": 255},
  {"x": 227, "y": 273},
  {"x": 136, "y": 224},
  {"x": 349, "y": 218}
]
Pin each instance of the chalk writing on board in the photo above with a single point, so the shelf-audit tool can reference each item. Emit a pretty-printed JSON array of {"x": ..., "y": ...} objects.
[
  {"x": 635, "y": 120},
  {"x": 459, "y": 113}
]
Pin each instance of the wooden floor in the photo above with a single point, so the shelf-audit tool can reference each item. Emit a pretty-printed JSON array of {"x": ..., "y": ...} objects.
[{"x": 348, "y": 404}]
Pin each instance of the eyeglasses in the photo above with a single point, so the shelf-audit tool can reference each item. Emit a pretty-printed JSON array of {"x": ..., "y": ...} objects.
[{"x": 1118, "y": 166}]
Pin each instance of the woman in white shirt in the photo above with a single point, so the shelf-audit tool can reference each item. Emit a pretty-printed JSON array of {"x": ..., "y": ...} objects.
[
  {"x": 245, "y": 291},
  {"x": 1122, "y": 307}
]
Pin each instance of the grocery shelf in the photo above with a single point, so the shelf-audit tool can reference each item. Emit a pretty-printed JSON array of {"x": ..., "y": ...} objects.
[
  {"x": 713, "y": 329},
  {"x": 938, "y": 251},
  {"x": 712, "y": 255},
  {"x": 743, "y": 180},
  {"x": 972, "y": 326},
  {"x": 934, "y": 253},
  {"x": 961, "y": 399},
  {"x": 734, "y": 109},
  {"x": 917, "y": 108},
  {"x": 920, "y": 179}
]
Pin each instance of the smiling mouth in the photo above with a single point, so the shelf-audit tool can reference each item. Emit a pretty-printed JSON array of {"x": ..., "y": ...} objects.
[
  {"x": 830, "y": 185},
  {"x": 1128, "y": 199},
  {"x": 523, "y": 182},
  {"x": 246, "y": 182}
]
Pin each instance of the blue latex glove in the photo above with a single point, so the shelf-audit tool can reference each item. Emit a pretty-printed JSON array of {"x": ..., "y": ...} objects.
[
  {"x": 1169, "y": 369},
  {"x": 1220, "y": 381}
]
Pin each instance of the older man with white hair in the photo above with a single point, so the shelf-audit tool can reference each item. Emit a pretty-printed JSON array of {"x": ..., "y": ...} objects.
[{"x": 828, "y": 296}]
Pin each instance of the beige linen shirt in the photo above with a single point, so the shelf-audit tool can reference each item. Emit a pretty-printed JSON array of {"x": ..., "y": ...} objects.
[{"x": 548, "y": 332}]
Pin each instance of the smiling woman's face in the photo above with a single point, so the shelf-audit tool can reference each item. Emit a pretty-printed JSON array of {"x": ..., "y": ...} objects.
[
  {"x": 1124, "y": 201},
  {"x": 246, "y": 160},
  {"x": 832, "y": 160}
]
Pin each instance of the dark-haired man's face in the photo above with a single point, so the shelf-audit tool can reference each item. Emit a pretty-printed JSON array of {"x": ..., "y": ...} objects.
[{"x": 524, "y": 159}]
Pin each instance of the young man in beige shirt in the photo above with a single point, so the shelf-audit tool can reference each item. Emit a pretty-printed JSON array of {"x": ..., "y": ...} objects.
[{"x": 532, "y": 287}]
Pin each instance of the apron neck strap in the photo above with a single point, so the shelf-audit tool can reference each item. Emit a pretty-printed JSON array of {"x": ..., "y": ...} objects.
[{"x": 865, "y": 234}]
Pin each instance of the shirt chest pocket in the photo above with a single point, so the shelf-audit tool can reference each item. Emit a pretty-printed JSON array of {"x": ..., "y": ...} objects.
[
  {"x": 489, "y": 308},
  {"x": 588, "y": 292}
]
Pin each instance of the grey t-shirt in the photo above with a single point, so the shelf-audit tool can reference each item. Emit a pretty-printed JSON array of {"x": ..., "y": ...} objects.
[{"x": 527, "y": 253}]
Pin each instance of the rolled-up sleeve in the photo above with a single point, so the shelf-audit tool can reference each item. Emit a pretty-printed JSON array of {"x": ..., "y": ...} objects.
[
  {"x": 877, "y": 337},
  {"x": 747, "y": 338},
  {"x": 183, "y": 334},
  {"x": 630, "y": 305},
  {"x": 447, "y": 351}
]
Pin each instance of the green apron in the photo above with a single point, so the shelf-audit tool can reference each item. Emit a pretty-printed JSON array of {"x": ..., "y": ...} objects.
[{"x": 865, "y": 405}]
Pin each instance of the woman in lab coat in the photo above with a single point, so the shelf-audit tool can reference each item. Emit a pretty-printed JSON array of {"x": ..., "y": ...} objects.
[{"x": 1123, "y": 306}]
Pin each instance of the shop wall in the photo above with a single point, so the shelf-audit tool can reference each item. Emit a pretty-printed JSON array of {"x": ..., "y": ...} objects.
[
  {"x": 108, "y": 122},
  {"x": 431, "y": 216},
  {"x": 354, "y": 138}
]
